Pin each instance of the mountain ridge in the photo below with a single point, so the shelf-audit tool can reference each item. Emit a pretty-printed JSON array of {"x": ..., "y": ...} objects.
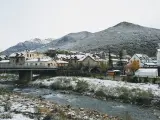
[{"x": 124, "y": 35}]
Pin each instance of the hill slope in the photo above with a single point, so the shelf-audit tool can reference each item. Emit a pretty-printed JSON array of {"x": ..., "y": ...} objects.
[{"x": 134, "y": 38}]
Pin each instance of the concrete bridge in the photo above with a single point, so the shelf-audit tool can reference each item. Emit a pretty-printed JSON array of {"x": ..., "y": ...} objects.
[{"x": 26, "y": 72}]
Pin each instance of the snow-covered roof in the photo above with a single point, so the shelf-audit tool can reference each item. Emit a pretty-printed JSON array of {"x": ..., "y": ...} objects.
[
  {"x": 154, "y": 61},
  {"x": 74, "y": 51},
  {"x": 127, "y": 56},
  {"x": 2, "y": 56},
  {"x": 19, "y": 53},
  {"x": 86, "y": 57},
  {"x": 116, "y": 70},
  {"x": 142, "y": 56},
  {"x": 150, "y": 64},
  {"x": 101, "y": 60},
  {"x": 69, "y": 56},
  {"x": 51, "y": 49},
  {"x": 22, "y": 53},
  {"x": 60, "y": 61},
  {"x": 113, "y": 55},
  {"x": 31, "y": 51},
  {"x": 4, "y": 61},
  {"x": 115, "y": 59},
  {"x": 146, "y": 70}
]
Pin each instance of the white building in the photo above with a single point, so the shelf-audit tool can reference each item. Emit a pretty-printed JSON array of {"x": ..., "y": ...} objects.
[{"x": 151, "y": 73}]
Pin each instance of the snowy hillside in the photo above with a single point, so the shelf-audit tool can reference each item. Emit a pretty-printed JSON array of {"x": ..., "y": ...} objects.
[
  {"x": 32, "y": 44},
  {"x": 134, "y": 38}
]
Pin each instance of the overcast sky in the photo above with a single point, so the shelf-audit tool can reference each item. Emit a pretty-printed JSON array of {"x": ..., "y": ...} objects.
[{"x": 22, "y": 20}]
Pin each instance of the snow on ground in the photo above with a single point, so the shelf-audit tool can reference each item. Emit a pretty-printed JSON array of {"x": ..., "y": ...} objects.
[
  {"x": 114, "y": 84},
  {"x": 50, "y": 81},
  {"x": 18, "y": 117},
  {"x": 15, "y": 105},
  {"x": 106, "y": 84}
]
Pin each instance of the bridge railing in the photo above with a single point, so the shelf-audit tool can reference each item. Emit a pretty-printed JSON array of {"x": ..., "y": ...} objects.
[{"x": 24, "y": 66}]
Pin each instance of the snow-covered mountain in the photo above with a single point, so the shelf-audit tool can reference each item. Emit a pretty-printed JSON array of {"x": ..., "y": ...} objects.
[
  {"x": 40, "y": 41},
  {"x": 27, "y": 45},
  {"x": 134, "y": 38}
]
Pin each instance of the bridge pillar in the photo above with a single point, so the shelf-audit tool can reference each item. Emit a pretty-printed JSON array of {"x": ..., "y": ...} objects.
[{"x": 25, "y": 75}]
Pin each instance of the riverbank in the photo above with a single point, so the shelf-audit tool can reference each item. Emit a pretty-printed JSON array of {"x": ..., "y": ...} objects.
[
  {"x": 15, "y": 106},
  {"x": 135, "y": 93},
  {"x": 63, "y": 90}
]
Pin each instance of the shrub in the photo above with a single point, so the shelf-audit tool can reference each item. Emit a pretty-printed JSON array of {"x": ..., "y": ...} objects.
[
  {"x": 7, "y": 106},
  {"x": 75, "y": 79},
  {"x": 48, "y": 117},
  {"x": 81, "y": 86},
  {"x": 42, "y": 86},
  {"x": 134, "y": 79},
  {"x": 146, "y": 80},
  {"x": 6, "y": 116},
  {"x": 145, "y": 94},
  {"x": 56, "y": 85},
  {"x": 135, "y": 95},
  {"x": 100, "y": 93},
  {"x": 61, "y": 85},
  {"x": 3, "y": 91},
  {"x": 154, "y": 80}
]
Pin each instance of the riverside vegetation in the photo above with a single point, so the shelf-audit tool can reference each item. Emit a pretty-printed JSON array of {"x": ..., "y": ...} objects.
[
  {"x": 134, "y": 96},
  {"x": 123, "y": 94}
]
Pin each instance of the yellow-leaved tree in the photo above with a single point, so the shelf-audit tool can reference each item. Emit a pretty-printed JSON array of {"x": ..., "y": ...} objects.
[{"x": 134, "y": 65}]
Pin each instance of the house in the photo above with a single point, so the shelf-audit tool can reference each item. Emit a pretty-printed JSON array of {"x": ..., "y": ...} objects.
[
  {"x": 17, "y": 59},
  {"x": 71, "y": 59},
  {"x": 41, "y": 62},
  {"x": 88, "y": 61},
  {"x": 141, "y": 58},
  {"x": 61, "y": 63},
  {"x": 91, "y": 61},
  {"x": 28, "y": 54},
  {"x": 33, "y": 55}
]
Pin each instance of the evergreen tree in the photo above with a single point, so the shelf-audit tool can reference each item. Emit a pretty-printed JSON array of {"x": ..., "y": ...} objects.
[
  {"x": 121, "y": 57},
  {"x": 110, "y": 62},
  {"x": 51, "y": 53}
]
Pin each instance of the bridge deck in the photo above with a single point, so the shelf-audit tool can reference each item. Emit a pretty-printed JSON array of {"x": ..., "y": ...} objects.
[{"x": 25, "y": 67}]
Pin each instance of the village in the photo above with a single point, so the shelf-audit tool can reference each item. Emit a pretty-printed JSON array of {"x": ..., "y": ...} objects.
[{"x": 105, "y": 64}]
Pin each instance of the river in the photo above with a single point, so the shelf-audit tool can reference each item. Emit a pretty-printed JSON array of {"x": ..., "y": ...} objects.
[{"x": 110, "y": 107}]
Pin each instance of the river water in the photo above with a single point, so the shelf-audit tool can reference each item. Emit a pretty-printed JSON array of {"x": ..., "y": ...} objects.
[{"x": 110, "y": 107}]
